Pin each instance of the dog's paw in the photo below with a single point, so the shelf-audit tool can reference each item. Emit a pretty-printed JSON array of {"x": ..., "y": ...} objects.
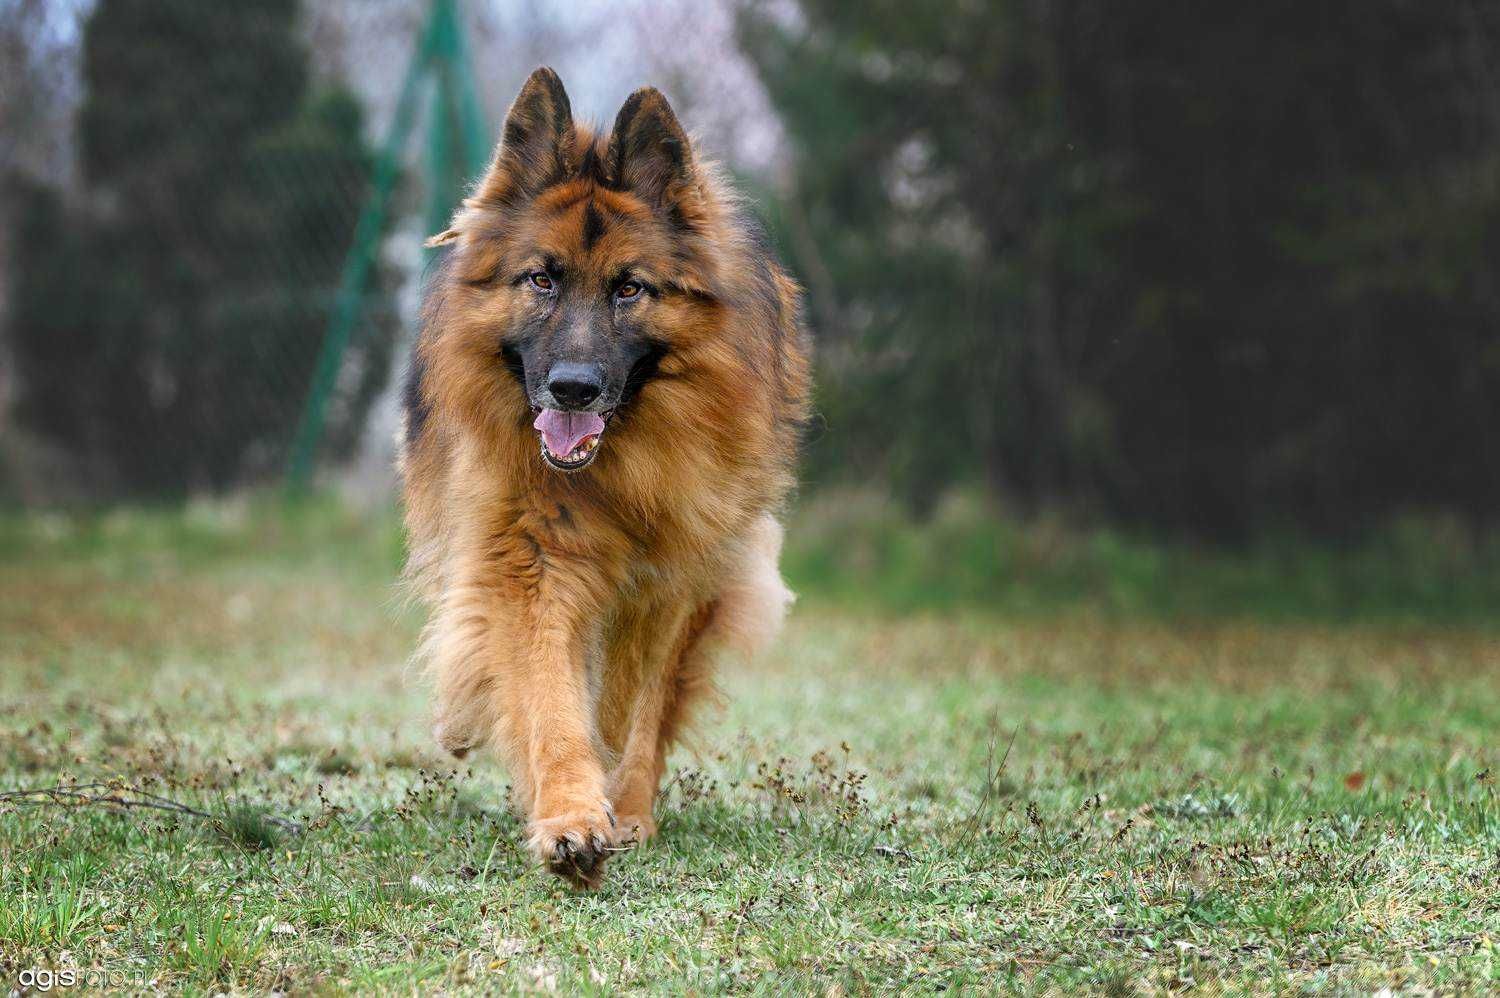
[
  {"x": 452, "y": 740},
  {"x": 576, "y": 844},
  {"x": 634, "y": 830}
]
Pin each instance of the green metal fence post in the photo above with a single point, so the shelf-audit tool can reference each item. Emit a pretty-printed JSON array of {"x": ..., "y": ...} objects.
[
  {"x": 357, "y": 267},
  {"x": 454, "y": 104},
  {"x": 441, "y": 182},
  {"x": 475, "y": 136},
  {"x": 441, "y": 54}
]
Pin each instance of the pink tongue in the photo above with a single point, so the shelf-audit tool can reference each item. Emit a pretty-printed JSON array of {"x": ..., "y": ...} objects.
[{"x": 562, "y": 431}]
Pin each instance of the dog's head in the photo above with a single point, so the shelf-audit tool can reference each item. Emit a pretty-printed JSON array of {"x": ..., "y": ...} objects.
[{"x": 580, "y": 251}]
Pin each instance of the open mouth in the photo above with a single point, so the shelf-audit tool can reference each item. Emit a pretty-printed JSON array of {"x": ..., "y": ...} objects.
[{"x": 570, "y": 440}]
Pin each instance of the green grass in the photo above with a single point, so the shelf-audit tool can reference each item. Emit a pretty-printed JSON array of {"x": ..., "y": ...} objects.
[
  {"x": 859, "y": 551},
  {"x": 1080, "y": 798}
]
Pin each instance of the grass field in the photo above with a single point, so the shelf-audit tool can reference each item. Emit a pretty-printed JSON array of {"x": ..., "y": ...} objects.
[{"x": 1062, "y": 798}]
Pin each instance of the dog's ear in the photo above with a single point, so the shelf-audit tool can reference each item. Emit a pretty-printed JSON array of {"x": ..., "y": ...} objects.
[
  {"x": 534, "y": 145},
  {"x": 649, "y": 153}
]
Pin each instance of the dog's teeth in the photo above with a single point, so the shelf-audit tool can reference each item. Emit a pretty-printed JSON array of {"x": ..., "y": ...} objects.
[{"x": 578, "y": 455}]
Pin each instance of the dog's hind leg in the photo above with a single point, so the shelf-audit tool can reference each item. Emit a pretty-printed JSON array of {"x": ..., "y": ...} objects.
[
  {"x": 644, "y": 696},
  {"x": 741, "y": 620}
]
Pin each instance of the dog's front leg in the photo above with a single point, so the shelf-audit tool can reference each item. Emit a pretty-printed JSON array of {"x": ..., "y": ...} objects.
[
  {"x": 509, "y": 653},
  {"x": 549, "y": 717}
]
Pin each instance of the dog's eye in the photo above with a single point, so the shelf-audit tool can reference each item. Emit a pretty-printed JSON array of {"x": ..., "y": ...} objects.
[
  {"x": 540, "y": 281},
  {"x": 629, "y": 291}
]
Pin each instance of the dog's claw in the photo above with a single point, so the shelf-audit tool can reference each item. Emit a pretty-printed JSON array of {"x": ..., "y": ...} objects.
[
  {"x": 574, "y": 849},
  {"x": 579, "y": 865}
]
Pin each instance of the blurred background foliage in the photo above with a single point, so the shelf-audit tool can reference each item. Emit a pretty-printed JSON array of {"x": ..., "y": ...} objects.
[
  {"x": 1128, "y": 278},
  {"x": 168, "y": 310},
  {"x": 1206, "y": 269}
]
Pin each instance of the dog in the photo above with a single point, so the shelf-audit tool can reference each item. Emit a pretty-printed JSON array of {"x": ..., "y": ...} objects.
[{"x": 601, "y": 424}]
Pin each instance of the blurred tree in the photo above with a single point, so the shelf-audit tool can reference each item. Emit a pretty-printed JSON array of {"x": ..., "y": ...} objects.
[
  {"x": 1208, "y": 269},
  {"x": 166, "y": 322}
]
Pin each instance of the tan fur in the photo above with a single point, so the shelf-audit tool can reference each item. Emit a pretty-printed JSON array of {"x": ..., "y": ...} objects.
[{"x": 576, "y": 618}]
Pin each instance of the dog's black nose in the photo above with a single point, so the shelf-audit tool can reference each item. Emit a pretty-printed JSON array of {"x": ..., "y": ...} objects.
[{"x": 574, "y": 385}]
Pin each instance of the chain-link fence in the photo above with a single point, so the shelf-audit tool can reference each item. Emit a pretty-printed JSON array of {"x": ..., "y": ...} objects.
[
  {"x": 211, "y": 214},
  {"x": 206, "y": 279},
  {"x": 1026, "y": 272}
]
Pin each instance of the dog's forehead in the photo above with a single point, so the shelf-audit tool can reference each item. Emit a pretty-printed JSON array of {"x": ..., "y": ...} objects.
[{"x": 594, "y": 228}]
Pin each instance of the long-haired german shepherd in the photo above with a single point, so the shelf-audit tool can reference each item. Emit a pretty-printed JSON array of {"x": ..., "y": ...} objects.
[{"x": 601, "y": 423}]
